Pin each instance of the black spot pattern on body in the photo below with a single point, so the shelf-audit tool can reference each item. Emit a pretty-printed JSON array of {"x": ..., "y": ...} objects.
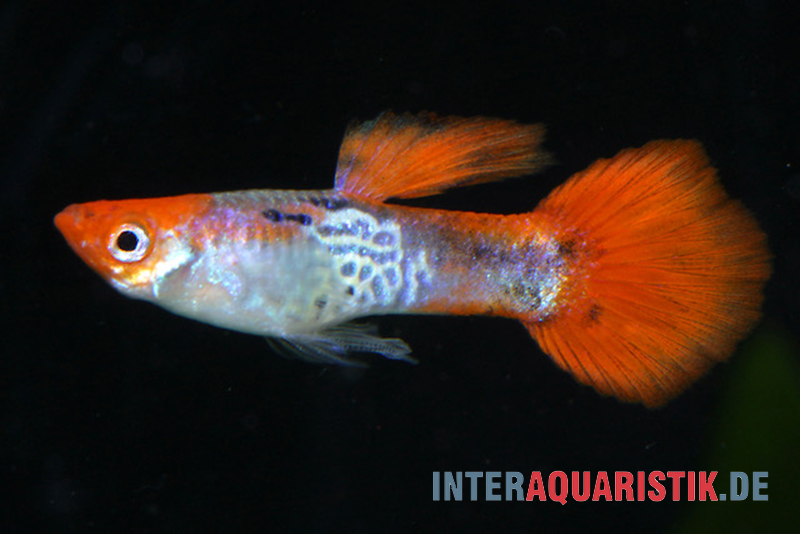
[
  {"x": 331, "y": 204},
  {"x": 275, "y": 216},
  {"x": 272, "y": 215},
  {"x": 348, "y": 269},
  {"x": 300, "y": 218}
]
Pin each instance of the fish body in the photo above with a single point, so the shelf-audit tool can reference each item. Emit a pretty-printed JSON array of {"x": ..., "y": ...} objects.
[
  {"x": 635, "y": 276},
  {"x": 286, "y": 263}
]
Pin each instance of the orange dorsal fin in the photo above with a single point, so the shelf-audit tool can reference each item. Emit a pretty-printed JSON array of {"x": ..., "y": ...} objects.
[
  {"x": 407, "y": 156},
  {"x": 668, "y": 272}
]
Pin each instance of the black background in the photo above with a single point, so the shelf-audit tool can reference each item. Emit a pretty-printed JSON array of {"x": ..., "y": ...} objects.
[{"x": 119, "y": 416}]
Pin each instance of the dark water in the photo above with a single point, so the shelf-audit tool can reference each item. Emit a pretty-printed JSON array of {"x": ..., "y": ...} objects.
[{"x": 116, "y": 416}]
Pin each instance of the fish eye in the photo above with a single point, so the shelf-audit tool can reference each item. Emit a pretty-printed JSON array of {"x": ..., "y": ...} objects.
[{"x": 129, "y": 243}]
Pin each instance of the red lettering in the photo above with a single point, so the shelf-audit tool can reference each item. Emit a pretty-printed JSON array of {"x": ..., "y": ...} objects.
[
  {"x": 676, "y": 477},
  {"x": 654, "y": 480},
  {"x": 623, "y": 480},
  {"x": 555, "y": 495},
  {"x": 576, "y": 485},
  {"x": 601, "y": 487},
  {"x": 706, "y": 486},
  {"x": 640, "y": 485},
  {"x": 536, "y": 487},
  {"x": 690, "y": 485}
]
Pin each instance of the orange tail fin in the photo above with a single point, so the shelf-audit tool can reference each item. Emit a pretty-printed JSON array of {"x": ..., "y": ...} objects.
[{"x": 667, "y": 277}]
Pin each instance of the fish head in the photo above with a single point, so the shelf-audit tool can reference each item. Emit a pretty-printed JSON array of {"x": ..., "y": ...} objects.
[{"x": 133, "y": 244}]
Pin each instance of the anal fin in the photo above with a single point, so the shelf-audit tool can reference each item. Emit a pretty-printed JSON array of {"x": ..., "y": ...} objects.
[{"x": 340, "y": 345}]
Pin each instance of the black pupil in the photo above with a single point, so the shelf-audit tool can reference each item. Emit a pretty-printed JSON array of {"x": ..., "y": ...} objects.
[{"x": 127, "y": 241}]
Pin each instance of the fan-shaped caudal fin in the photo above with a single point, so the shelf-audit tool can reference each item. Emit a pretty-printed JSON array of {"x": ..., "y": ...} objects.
[
  {"x": 410, "y": 156},
  {"x": 667, "y": 276}
]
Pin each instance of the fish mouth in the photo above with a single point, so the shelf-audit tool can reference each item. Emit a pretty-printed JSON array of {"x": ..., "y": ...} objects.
[
  {"x": 68, "y": 223},
  {"x": 71, "y": 223}
]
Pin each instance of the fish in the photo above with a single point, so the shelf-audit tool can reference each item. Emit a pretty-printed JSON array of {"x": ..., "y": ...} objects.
[{"x": 636, "y": 275}]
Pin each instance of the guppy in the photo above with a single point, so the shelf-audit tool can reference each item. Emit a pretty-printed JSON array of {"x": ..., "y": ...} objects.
[{"x": 635, "y": 276}]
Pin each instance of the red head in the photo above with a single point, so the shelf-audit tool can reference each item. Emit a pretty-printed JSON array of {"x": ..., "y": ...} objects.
[{"x": 129, "y": 242}]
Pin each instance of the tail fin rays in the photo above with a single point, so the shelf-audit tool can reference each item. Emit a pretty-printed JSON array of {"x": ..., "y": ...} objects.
[{"x": 668, "y": 277}]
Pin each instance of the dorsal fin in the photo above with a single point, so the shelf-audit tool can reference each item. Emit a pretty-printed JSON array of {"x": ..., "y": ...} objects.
[{"x": 407, "y": 156}]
